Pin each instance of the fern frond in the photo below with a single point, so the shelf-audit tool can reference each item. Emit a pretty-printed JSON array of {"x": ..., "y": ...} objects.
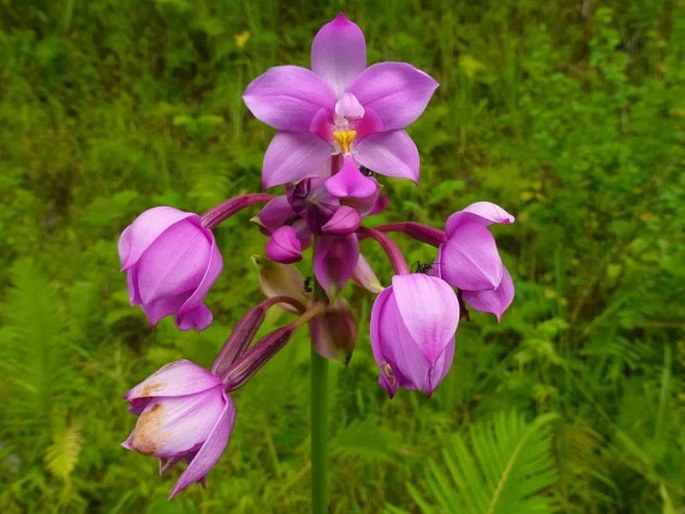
[
  {"x": 61, "y": 456},
  {"x": 502, "y": 466}
]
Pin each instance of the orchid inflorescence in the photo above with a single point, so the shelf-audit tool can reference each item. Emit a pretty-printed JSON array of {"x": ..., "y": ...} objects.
[{"x": 335, "y": 123}]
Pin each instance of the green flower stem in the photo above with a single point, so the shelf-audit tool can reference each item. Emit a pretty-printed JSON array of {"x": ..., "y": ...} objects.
[{"x": 319, "y": 433}]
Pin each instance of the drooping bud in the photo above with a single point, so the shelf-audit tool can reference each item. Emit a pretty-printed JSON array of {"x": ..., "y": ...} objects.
[{"x": 334, "y": 332}]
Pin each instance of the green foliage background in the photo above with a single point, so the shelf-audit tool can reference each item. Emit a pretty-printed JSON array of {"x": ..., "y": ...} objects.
[{"x": 570, "y": 114}]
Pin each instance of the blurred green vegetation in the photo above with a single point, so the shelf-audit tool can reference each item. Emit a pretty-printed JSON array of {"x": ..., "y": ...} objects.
[{"x": 570, "y": 114}]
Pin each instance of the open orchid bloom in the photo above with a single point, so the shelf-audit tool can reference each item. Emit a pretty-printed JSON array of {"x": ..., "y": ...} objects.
[
  {"x": 340, "y": 106},
  {"x": 183, "y": 414},
  {"x": 413, "y": 323},
  {"x": 470, "y": 261}
]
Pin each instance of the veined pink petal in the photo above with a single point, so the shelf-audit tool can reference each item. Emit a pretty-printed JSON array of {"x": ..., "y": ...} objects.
[
  {"x": 469, "y": 259},
  {"x": 388, "y": 379},
  {"x": 429, "y": 310},
  {"x": 174, "y": 263},
  {"x": 483, "y": 213},
  {"x": 144, "y": 230},
  {"x": 344, "y": 221},
  {"x": 392, "y": 154},
  {"x": 495, "y": 301},
  {"x": 178, "y": 378},
  {"x": 283, "y": 246},
  {"x": 192, "y": 313},
  {"x": 334, "y": 261},
  {"x": 339, "y": 53},
  {"x": 212, "y": 449},
  {"x": 288, "y": 97},
  {"x": 396, "y": 91},
  {"x": 349, "y": 181},
  {"x": 292, "y": 156}
]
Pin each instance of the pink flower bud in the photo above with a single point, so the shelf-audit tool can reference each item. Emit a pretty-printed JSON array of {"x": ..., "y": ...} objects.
[
  {"x": 413, "y": 323},
  {"x": 283, "y": 246},
  {"x": 183, "y": 414},
  {"x": 171, "y": 262}
]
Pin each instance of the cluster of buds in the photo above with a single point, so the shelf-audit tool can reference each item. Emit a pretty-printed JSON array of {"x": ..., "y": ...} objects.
[{"x": 340, "y": 128}]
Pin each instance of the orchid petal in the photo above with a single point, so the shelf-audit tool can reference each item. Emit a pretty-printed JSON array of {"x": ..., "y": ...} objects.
[
  {"x": 169, "y": 416},
  {"x": 192, "y": 313},
  {"x": 388, "y": 381},
  {"x": 483, "y": 213},
  {"x": 345, "y": 221},
  {"x": 147, "y": 227},
  {"x": 339, "y": 53},
  {"x": 495, "y": 301},
  {"x": 364, "y": 276},
  {"x": 211, "y": 450},
  {"x": 397, "y": 92},
  {"x": 432, "y": 320},
  {"x": 469, "y": 259},
  {"x": 334, "y": 261},
  {"x": 288, "y": 97},
  {"x": 275, "y": 213},
  {"x": 349, "y": 181},
  {"x": 158, "y": 267},
  {"x": 392, "y": 154},
  {"x": 178, "y": 378},
  {"x": 292, "y": 156},
  {"x": 283, "y": 246}
]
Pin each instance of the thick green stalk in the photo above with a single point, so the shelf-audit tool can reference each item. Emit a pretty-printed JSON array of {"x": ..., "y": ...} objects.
[{"x": 319, "y": 433}]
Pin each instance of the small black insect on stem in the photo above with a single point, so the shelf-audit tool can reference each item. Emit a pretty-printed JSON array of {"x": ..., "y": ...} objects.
[
  {"x": 308, "y": 285},
  {"x": 418, "y": 267}
]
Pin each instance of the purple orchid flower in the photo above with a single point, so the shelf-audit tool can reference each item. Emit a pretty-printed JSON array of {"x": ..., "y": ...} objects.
[
  {"x": 413, "y": 323},
  {"x": 340, "y": 106},
  {"x": 183, "y": 414},
  {"x": 469, "y": 259},
  {"x": 171, "y": 262}
]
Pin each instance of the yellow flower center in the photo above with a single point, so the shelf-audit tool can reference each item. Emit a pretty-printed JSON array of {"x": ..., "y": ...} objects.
[{"x": 344, "y": 139}]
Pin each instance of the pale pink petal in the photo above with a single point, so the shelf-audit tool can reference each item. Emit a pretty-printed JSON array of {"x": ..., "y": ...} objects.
[
  {"x": 191, "y": 314},
  {"x": 210, "y": 452},
  {"x": 178, "y": 378},
  {"x": 430, "y": 311},
  {"x": 388, "y": 378},
  {"x": 392, "y": 154},
  {"x": 292, "y": 156},
  {"x": 288, "y": 97},
  {"x": 339, "y": 53},
  {"x": 483, "y": 213},
  {"x": 175, "y": 263},
  {"x": 147, "y": 227},
  {"x": 396, "y": 91},
  {"x": 348, "y": 108},
  {"x": 165, "y": 429},
  {"x": 495, "y": 301},
  {"x": 469, "y": 259},
  {"x": 441, "y": 367}
]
